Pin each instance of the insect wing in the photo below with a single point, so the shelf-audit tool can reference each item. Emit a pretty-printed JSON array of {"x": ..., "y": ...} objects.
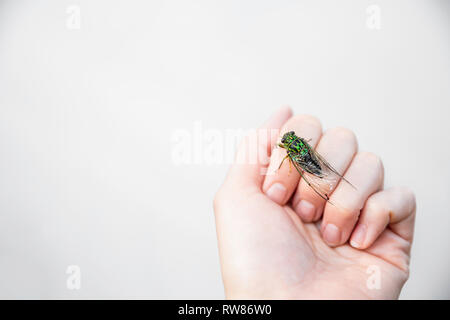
[
  {"x": 319, "y": 185},
  {"x": 328, "y": 170}
]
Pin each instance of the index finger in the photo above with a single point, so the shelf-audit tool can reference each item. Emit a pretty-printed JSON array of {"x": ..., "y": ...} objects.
[
  {"x": 281, "y": 182},
  {"x": 255, "y": 149}
]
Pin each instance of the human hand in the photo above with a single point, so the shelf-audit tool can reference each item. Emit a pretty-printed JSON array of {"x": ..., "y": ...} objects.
[{"x": 279, "y": 240}]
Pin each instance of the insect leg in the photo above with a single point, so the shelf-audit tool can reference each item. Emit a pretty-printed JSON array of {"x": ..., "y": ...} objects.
[
  {"x": 290, "y": 165},
  {"x": 282, "y": 162}
]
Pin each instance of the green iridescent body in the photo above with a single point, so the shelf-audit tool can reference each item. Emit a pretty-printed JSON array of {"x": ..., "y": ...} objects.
[{"x": 322, "y": 177}]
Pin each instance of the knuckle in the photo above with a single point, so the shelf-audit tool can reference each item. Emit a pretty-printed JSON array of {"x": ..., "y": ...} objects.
[
  {"x": 376, "y": 208},
  {"x": 407, "y": 273},
  {"x": 346, "y": 214},
  {"x": 409, "y": 196},
  {"x": 404, "y": 265},
  {"x": 372, "y": 205},
  {"x": 371, "y": 159},
  {"x": 344, "y": 133},
  {"x": 306, "y": 118}
]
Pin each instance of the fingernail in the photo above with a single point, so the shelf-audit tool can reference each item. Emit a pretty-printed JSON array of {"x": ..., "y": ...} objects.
[
  {"x": 358, "y": 236},
  {"x": 306, "y": 210},
  {"x": 277, "y": 192},
  {"x": 332, "y": 234}
]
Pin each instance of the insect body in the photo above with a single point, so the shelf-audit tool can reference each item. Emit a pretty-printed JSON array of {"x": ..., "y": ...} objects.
[{"x": 311, "y": 166}]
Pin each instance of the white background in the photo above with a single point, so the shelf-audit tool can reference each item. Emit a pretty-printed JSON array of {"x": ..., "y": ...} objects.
[{"x": 87, "y": 115}]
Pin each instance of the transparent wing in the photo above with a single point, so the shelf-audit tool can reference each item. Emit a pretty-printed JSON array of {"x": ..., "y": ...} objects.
[
  {"x": 328, "y": 170},
  {"x": 321, "y": 186}
]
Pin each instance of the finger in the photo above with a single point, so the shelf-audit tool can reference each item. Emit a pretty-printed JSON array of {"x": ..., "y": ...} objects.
[
  {"x": 366, "y": 174},
  {"x": 280, "y": 184},
  {"x": 254, "y": 151},
  {"x": 394, "y": 207},
  {"x": 337, "y": 146}
]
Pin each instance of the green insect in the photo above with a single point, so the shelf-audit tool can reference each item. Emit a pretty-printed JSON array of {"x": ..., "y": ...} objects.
[{"x": 311, "y": 166}]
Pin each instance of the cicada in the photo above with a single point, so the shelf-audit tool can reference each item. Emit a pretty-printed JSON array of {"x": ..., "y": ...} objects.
[{"x": 311, "y": 166}]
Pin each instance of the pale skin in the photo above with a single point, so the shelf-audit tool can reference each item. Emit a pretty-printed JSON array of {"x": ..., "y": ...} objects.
[{"x": 279, "y": 240}]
